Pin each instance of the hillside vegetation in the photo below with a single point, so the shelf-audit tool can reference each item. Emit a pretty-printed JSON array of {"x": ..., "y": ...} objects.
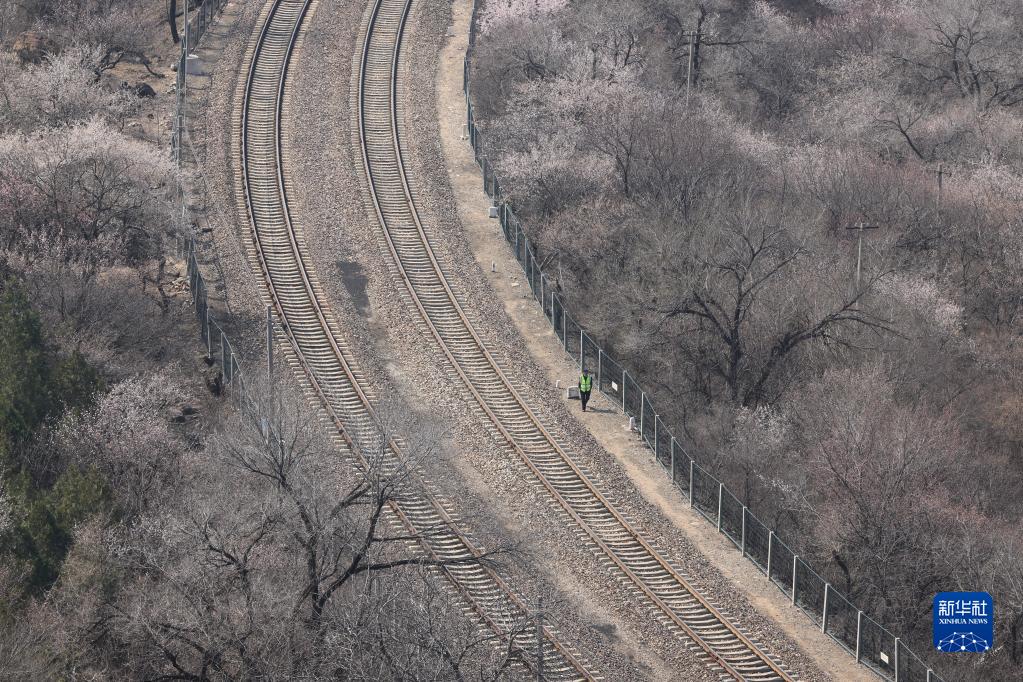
[{"x": 695, "y": 171}]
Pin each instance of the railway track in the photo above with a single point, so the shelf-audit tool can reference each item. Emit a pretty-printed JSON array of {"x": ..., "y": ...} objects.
[
  {"x": 638, "y": 563},
  {"x": 326, "y": 367}
]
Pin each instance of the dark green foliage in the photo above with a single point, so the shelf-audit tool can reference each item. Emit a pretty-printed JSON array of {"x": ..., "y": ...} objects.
[
  {"x": 73, "y": 383},
  {"x": 24, "y": 400},
  {"x": 35, "y": 387},
  {"x": 45, "y": 521}
]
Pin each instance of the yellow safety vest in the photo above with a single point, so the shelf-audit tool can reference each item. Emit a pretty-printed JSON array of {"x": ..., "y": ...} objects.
[{"x": 585, "y": 383}]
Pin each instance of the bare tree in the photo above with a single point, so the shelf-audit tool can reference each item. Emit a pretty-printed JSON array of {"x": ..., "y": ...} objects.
[
  {"x": 739, "y": 313},
  {"x": 270, "y": 557},
  {"x": 971, "y": 50}
]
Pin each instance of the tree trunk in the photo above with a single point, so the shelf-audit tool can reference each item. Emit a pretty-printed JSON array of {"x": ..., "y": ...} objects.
[
  {"x": 700, "y": 19},
  {"x": 172, "y": 20}
]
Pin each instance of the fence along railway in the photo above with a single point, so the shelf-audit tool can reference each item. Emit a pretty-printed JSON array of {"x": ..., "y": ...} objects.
[
  {"x": 676, "y": 603},
  {"x": 325, "y": 366}
]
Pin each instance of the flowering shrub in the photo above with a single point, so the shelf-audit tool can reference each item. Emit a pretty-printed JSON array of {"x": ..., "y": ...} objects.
[{"x": 61, "y": 91}]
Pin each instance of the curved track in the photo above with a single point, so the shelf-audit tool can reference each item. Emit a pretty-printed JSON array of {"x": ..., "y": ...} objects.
[
  {"x": 661, "y": 585},
  {"x": 327, "y": 369}
]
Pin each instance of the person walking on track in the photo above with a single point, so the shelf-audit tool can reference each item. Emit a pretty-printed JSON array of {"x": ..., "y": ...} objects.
[{"x": 585, "y": 384}]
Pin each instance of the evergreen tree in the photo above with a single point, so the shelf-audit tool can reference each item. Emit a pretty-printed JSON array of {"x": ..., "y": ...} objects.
[
  {"x": 33, "y": 388},
  {"x": 24, "y": 394},
  {"x": 73, "y": 383}
]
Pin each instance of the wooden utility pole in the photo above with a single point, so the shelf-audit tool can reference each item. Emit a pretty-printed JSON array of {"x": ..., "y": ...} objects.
[
  {"x": 689, "y": 65},
  {"x": 941, "y": 184},
  {"x": 860, "y": 227}
]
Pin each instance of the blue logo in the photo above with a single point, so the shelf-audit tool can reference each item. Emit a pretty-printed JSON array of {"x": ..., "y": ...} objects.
[{"x": 964, "y": 621}]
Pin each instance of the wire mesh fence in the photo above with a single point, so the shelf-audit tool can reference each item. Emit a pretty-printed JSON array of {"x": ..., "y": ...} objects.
[
  {"x": 573, "y": 338},
  {"x": 732, "y": 517},
  {"x": 780, "y": 564},
  {"x": 193, "y": 31},
  {"x": 840, "y": 620},
  {"x": 633, "y": 396},
  {"x": 758, "y": 540},
  {"x": 810, "y": 591},
  {"x": 558, "y": 318},
  {"x": 910, "y": 667},
  {"x": 662, "y": 440},
  {"x": 609, "y": 375},
  {"x": 218, "y": 345},
  {"x": 876, "y": 647},
  {"x": 680, "y": 466},
  {"x": 646, "y": 420},
  {"x": 705, "y": 492},
  {"x": 588, "y": 358},
  {"x": 547, "y": 301},
  {"x": 831, "y": 610}
]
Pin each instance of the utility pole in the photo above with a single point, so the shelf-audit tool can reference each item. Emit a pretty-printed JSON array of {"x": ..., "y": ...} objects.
[
  {"x": 860, "y": 227},
  {"x": 689, "y": 65},
  {"x": 941, "y": 177}
]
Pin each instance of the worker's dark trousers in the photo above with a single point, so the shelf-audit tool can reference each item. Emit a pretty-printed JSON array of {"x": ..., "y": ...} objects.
[{"x": 585, "y": 397}]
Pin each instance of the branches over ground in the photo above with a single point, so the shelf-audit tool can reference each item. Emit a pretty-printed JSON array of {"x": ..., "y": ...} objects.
[
  {"x": 147, "y": 530},
  {"x": 691, "y": 171}
]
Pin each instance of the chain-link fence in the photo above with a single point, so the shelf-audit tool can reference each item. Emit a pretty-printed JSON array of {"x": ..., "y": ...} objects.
[{"x": 870, "y": 643}]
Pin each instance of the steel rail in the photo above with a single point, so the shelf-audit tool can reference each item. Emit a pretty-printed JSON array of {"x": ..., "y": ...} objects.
[
  {"x": 482, "y": 589},
  {"x": 716, "y": 639}
]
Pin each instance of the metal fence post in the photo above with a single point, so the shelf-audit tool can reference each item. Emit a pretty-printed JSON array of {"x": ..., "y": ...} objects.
[
  {"x": 672, "y": 448},
  {"x": 642, "y": 404},
  {"x": 692, "y": 470},
  {"x": 232, "y": 369},
  {"x": 795, "y": 562},
  {"x": 623, "y": 391},
  {"x": 184, "y": 63},
  {"x": 582, "y": 348},
  {"x": 859, "y": 630},
  {"x": 930, "y": 675},
  {"x": 657, "y": 455},
  {"x": 209, "y": 335},
  {"x": 600, "y": 362},
  {"x": 770, "y": 550},
  {"x": 824, "y": 612},
  {"x": 742, "y": 544},
  {"x": 897, "y": 659},
  {"x": 541, "y": 295},
  {"x": 564, "y": 326},
  {"x": 721, "y": 492}
]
